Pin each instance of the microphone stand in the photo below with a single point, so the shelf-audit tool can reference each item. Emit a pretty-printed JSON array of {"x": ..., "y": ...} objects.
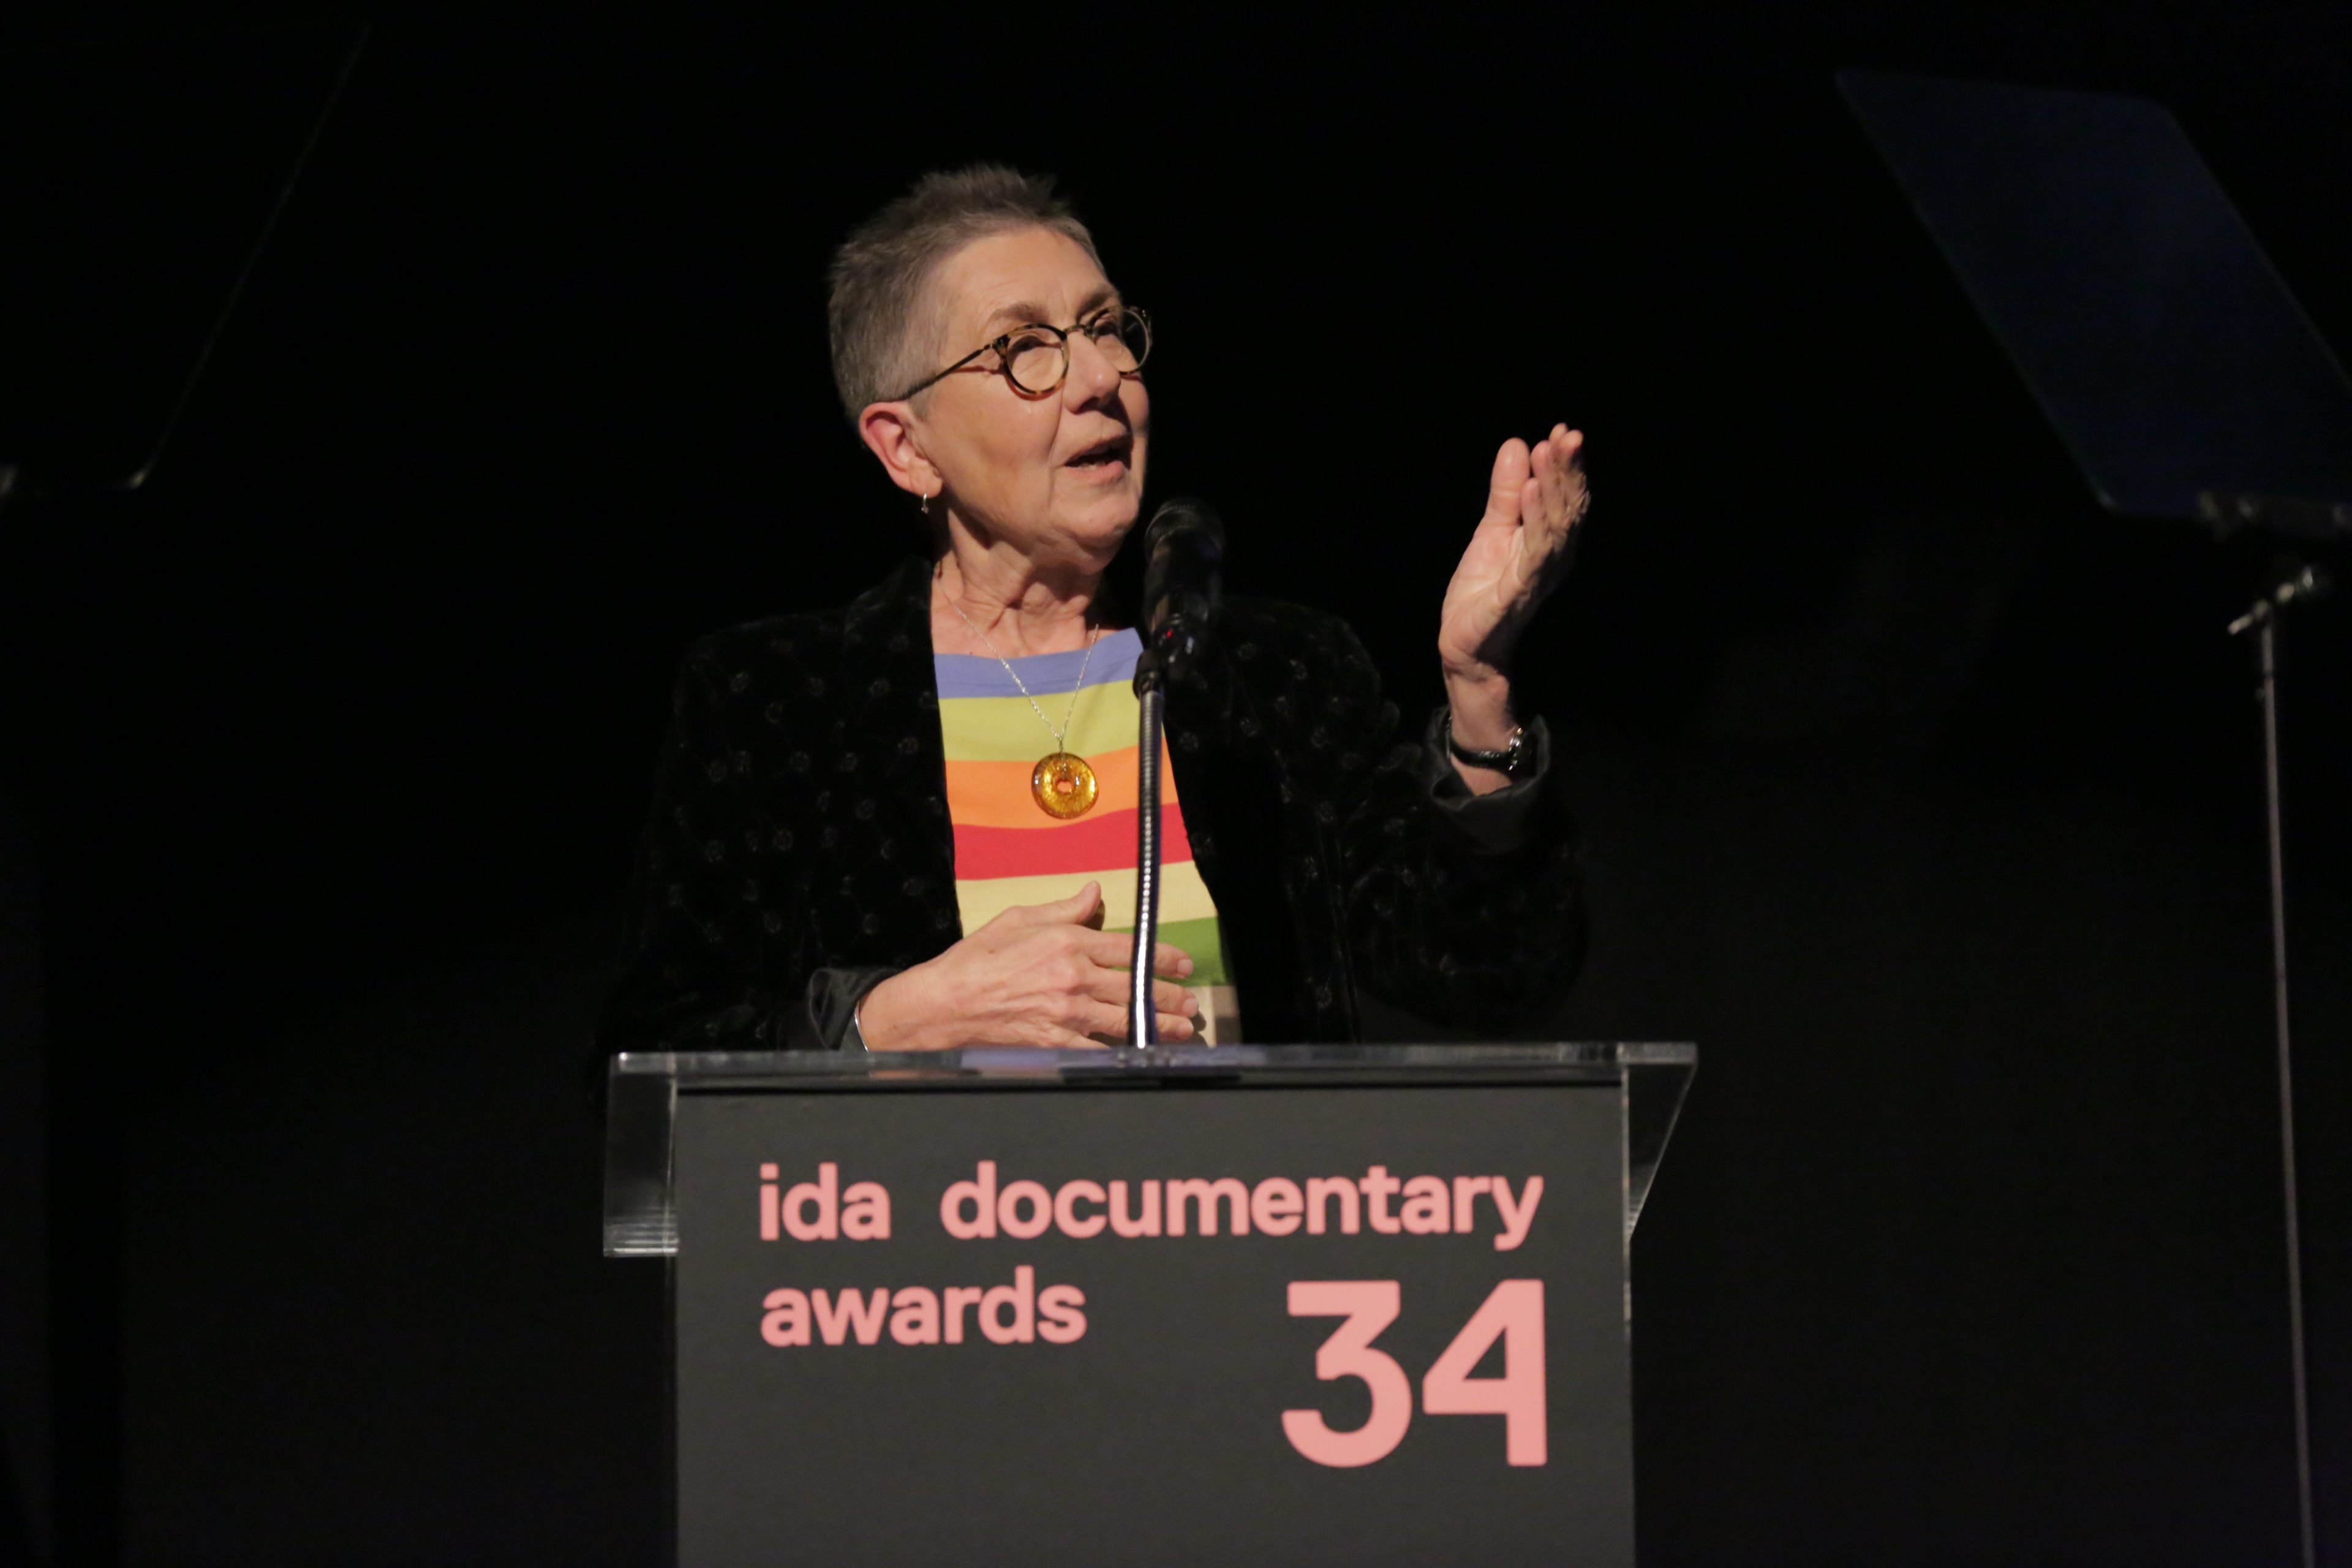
[
  {"x": 2295, "y": 584},
  {"x": 1183, "y": 546},
  {"x": 1151, "y": 697}
]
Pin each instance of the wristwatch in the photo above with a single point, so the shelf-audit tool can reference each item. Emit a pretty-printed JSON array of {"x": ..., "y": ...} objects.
[{"x": 1505, "y": 760}]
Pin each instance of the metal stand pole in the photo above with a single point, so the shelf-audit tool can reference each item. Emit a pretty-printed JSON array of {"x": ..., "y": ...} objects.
[
  {"x": 2268, "y": 642},
  {"x": 1142, "y": 1016},
  {"x": 2263, "y": 619}
]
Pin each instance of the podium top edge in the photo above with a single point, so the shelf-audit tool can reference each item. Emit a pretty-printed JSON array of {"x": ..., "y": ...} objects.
[{"x": 1575, "y": 1059}]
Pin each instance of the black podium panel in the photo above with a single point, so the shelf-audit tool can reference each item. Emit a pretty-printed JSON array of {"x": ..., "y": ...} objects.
[{"x": 1076, "y": 1394}]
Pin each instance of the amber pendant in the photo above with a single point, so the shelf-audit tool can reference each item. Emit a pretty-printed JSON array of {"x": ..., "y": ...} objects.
[{"x": 1063, "y": 785}]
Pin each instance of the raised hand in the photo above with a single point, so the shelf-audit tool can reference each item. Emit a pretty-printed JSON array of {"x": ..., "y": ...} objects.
[
  {"x": 1517, "y": 556},
  {"x": 1041, "y": 974}
]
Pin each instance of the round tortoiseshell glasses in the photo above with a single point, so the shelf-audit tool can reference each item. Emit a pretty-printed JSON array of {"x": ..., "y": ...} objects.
[{"x": 1035, "y": 358}]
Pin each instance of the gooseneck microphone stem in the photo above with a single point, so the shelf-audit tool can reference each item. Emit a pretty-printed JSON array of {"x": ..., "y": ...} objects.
[
  {"x": 1142, "y": 1016},
  {"x": 1183, "y": 551}
]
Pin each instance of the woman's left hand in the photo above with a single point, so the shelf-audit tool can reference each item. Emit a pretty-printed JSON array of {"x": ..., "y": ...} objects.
[{"x": 1517, "y": 558}]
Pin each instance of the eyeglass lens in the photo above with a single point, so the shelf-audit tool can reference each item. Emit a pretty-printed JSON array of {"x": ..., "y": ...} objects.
[{"x": 1036, "y": 360}]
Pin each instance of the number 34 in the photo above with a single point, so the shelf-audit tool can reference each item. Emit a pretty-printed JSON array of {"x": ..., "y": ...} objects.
[{"x": 1513, "y": 1312}]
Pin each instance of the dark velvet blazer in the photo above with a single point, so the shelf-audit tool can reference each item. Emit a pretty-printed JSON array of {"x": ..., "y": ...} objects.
[{"x": 800, "y": 849}]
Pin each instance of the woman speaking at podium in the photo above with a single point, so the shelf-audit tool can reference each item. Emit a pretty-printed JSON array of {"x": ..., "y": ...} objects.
[{"x": 909, "y": 823}]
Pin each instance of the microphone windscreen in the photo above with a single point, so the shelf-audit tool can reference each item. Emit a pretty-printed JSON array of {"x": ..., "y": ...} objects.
[
  {"x": 1181, "y": 515},
  {"x": 1183, "y": 554}
]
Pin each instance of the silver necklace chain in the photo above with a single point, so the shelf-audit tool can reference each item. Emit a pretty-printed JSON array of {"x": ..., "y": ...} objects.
[{"x": 1059, "y": 744}]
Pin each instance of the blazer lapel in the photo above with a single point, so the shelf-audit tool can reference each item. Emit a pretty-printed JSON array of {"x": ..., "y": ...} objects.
[{"x": 893, "y": 700}]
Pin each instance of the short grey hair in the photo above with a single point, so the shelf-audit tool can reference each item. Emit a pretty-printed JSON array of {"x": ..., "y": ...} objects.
[{"x": 885, "y": 323}]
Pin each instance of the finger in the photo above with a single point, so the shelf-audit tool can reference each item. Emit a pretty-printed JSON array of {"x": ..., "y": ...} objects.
[
  {"x": 1081, "y": 908},
  {"x": 1570, "y": 447},
  {"x": 1061, "y": 1039},
  {"x": 1529, "y": 542},
  {"x": 1556, "y": 455},
  {"x": 1545, "y": 534},
  {"x": 1555, "y": 461},
  {"x": 1548, "y": 519},
  {"x": 1510, "y": 476},
  {"x": 1564, "y": 493},
  {"x": 1112, "y": 988},
  {"x": 1577, "y": 494},
  {"x": 1101, "y": 1019},
  {"x": 1111, "y": 1023},
  {"x": 1548, "y": 475},
  {"x": 1109, "y": 949},
  {"x": 1116, "y": 949},
  {"x": 1172, "y": 998}
]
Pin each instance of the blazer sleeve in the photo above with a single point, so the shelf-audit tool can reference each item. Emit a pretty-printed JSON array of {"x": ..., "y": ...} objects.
[
  {"x": 1468, "y": 910},
  {"x": 716, "y": 960}
]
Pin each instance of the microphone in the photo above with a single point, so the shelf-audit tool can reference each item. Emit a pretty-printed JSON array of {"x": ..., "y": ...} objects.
[{"x": 1183, "y": 558}]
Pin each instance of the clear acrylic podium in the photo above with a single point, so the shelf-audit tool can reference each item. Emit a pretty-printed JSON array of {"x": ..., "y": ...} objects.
[{"x": 1261, "y": 1304}]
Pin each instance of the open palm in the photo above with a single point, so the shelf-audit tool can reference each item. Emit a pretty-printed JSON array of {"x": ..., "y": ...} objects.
[{"x": 1519, "y": 554}]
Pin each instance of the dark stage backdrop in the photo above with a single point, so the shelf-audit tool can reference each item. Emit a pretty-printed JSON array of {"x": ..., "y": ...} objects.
[{"x": 1919, "y": 793}]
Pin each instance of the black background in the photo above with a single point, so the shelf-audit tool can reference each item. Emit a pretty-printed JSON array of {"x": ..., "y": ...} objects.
[{"x": 1925, "y": 798}]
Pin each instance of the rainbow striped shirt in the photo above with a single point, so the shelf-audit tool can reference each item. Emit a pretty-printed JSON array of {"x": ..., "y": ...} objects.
[{"x": 1009, "y": 852}]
